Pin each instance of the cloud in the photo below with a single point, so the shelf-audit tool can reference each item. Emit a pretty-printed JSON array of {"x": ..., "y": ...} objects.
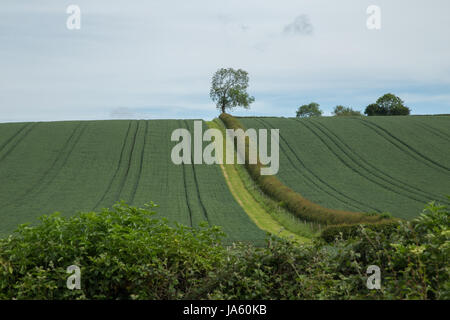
[
  {"x": 244, "y": 27},
  {"x": 300, "y": 26},
  {"x": 225, "y": 18},
  {"x": 160, "y": 56},
  {"x": 122, "y": 113}
]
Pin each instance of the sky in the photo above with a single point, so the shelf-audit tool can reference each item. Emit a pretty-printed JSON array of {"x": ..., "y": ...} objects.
[{"x": 149, "y": 59}]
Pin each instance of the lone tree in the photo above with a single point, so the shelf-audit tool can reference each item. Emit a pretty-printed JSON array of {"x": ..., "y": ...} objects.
[
  {"x": 309, "y": 110},
  {"x": 345, "y": 111},
  {"x": 229, "y": 89},
  {"x": 388, "y": 105}
]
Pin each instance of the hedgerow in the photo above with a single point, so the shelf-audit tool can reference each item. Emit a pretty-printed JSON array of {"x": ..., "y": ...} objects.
[
  {"x": 128, "y": 253},
  {"x": 347, "y": 231}
]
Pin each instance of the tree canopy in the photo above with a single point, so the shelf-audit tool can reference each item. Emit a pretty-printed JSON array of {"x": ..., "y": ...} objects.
[
  {"x": 229, "y": 89},
  {"x": 388, "y": 105},
  {"x": 345, "y": 111},
  {"x": 309, "y": 110}
]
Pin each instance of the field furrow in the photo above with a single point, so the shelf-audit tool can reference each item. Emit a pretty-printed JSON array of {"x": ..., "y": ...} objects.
[
  {"x": 16, "y": 140},
  {"x": 186, "y": 195},
  {"x": 79, "y": 166},
  {"x": 407, "y": 190},
  {"x": 344, "y": 159},
  {"x": 51, "y": 173},
  {"x": 436, "y": 132},
  {"x": 123, "y": 181},
  {"x": 141, "y": 163},
  {"x": 321, "y": 185},
  {"x": 393, "y": 172},
  {"x": 204, "y": 216},
  {"x": 404, "y": 146},
  {"x": 367, "y": 172},
  {"x": 14, "y": 134},
  {"x": 116, "y": 172}
]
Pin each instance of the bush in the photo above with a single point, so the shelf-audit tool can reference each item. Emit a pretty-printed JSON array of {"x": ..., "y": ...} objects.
[
  {"x": 123, "y": 253},
  {"x": 341, "y": 111},
  {"x": 346, "y": 231},
  {"x": 413, "y": 258}
]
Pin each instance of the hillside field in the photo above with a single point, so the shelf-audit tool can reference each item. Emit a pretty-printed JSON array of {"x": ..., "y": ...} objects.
[
  {"x": 88, "y": 165},
  {"x": 376, "y": 164},
  {"x": 368, "y": 164}
]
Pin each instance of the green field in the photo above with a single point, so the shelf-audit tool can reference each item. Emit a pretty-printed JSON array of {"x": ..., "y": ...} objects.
[
  {"x": 88, "y": 165},
  {"x": 376, "y": 164}
]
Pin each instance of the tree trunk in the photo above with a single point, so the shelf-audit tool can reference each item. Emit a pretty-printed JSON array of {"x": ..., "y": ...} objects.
[{"x": 223, "y": 108}]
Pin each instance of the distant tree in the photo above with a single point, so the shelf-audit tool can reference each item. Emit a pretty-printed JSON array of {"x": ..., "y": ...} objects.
[
  {"x": 394, "y": 105},
  {"x": 375, "y": 110},
  {"x": 388, "y": 105},
  {"x": 345, "y": 111},
  {"x": 229, "y": 89},
  {"x": 309, "y": 110}
]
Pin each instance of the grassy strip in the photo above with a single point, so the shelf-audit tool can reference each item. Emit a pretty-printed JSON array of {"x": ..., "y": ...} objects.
[
  {"x": 281, "y": 215},
  {"x": 266, "y": 219},
  {"x": 293, "y": 201}
]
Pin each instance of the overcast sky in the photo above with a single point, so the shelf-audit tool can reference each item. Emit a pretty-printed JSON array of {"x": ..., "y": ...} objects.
[{"x": 155, "y": 59}]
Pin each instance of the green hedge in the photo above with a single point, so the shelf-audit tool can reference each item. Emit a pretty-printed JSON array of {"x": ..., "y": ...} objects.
[
  {"x": 346, "y": 231},
  {"x": 128, "y": 253},
  {"x": 123, "y": 253},
  {"x": 295, "y": 202}
]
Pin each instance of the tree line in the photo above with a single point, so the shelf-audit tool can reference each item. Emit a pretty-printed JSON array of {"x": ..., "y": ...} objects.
[
  {"x": 387, "y": 105},
  {"x": 229, "y": 90}
]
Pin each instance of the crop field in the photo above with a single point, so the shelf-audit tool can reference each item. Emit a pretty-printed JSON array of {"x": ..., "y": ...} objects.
[
  {"x": 87, "y": 165},
  {"x": 375, "y": 164}
]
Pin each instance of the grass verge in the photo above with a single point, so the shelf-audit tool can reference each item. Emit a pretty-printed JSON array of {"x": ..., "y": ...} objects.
[{"x": 265, "y": 212}]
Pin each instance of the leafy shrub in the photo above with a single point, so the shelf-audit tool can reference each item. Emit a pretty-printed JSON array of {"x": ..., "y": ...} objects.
[
  {"x": 123, "y": 253},
  {"x": 413, "y": 258},
  {"x": 341, "y": 111},
  {"x": 346, "y": 231}
]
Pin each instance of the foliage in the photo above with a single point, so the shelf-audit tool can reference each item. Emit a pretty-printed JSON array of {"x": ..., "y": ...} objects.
[
  {"x": 309, "y": 110},
  {"x": 127, "y": 253},
  {"x": 229, "y": 89},
  {"x": 123, "y": 253},
  {"x": 345, "y": 111},
  {"x": 388, "y": 105},
  {"x": 346, "y": 231},
  {"x": 375, "y": 110}
]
